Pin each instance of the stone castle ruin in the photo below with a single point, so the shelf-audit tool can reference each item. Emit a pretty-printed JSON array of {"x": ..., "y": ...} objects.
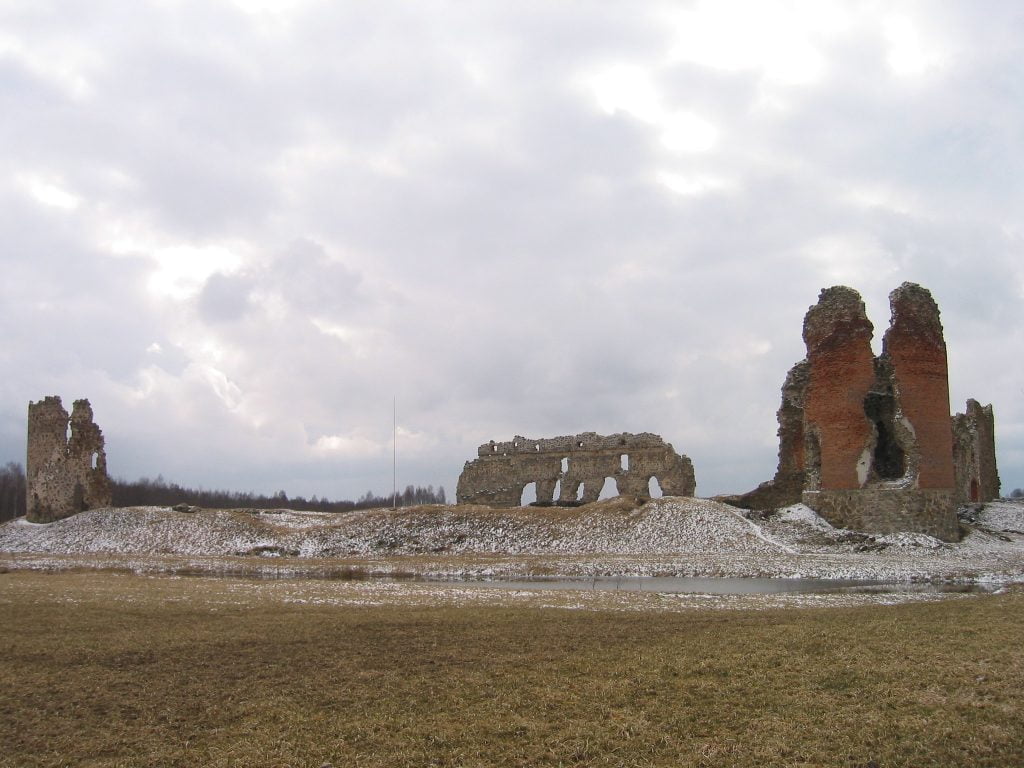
[
  {"x": 864, "y": 440},
  {"x": 577, "y": 465},
  {"x": 65, "y": 474},
  {"x": 867, "y": 441},
  {"x": 974, "y": 454}
]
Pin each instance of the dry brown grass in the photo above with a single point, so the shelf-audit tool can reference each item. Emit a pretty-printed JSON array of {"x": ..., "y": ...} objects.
[{"x": 115, "y": 670}]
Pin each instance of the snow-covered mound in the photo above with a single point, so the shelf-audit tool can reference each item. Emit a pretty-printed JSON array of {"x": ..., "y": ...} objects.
[
  {"x": 671, "y": 535},
  {"x": 910, "y": 539},
  {"x": 668, "y": 525},
  {"x": 1003, "y": 516}
]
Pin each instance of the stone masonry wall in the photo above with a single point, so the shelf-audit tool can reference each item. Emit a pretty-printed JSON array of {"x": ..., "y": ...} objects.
[
  {"x": 888, "y": 510},
  {"x": 571, "y": 463},
  {"x": 974, "y": 454},
  {"x": 64, "y": 476}
]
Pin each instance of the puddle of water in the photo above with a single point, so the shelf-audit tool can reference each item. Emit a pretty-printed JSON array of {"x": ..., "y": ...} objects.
[
  {"x": 730, "y": 586},
  {"x": 722, "y": 585}
]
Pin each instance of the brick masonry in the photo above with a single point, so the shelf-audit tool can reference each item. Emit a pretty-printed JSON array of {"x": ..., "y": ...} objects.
[{"x": 868, "y": 441}]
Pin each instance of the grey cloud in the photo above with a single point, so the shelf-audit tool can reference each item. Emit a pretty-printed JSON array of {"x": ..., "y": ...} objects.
[
  {"x": 486, "y": 245},
  {"x": 224, "y": 298}
]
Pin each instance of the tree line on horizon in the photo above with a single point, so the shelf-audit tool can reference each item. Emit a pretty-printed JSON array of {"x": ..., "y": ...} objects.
[
  {"x": 160, "y": 493},
  {"x": 12, "y": 491}
]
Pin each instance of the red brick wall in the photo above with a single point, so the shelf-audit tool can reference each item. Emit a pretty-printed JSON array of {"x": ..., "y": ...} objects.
[
  {"x": 838, "y": 337},
  {"x": 915, "y": 345}
]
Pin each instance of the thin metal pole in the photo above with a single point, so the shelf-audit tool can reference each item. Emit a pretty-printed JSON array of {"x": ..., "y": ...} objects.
[{"x": 394, "y": 463}]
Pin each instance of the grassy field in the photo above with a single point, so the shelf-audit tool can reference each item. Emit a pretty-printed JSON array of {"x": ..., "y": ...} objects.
[{"x": 118, "y": 670}]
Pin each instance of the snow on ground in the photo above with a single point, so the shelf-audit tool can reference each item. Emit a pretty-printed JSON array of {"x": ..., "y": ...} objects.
[
  {"x": 666, "y": 537},
  {"x": 1004, "y": 516},
  {"x": 662, "y": 526}
]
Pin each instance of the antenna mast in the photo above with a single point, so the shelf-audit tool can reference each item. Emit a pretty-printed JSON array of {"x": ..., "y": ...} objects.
[{"x": 394, "y": 462}]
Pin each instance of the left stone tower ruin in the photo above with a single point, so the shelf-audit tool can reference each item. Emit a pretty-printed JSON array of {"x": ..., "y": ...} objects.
[{"x": 66, "y": 473}]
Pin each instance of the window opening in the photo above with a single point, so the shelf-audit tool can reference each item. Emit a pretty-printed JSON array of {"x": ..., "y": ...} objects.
[
  {"x": 889, "y": 459},
  {"x": 529, "y": 495}
]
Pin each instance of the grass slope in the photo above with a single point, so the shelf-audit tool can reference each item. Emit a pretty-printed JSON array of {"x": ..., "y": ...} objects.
[{"x": 114, "y": 670}]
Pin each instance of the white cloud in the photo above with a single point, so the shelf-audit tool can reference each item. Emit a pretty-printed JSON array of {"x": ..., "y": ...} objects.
[
  {"x": 49, "y": 192},
  {"x": 351, "y": 445},
  {"x": 630, "y": 90},
  {"x": 693, "y": 185},
  {"x": 782, "y": 40},
  {"x": 61, "y": 63},
  {"x": 849, "y": 259},
  {"x": 182, "y": 269},
  {"x": 910, "y": 52},
  {"x": 246, "y": 227}
]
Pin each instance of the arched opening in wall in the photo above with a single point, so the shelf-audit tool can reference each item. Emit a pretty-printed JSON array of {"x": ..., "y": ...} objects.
[
  {"x": 95, "y": 459},
  {"x": 975, "y": 490},
  {"x": 654, "y": 488},
  {"x": 609, "y": 490},
  {"x": 565, "y": 466},
  {"x": 889, "y": 460},
  {"x": 529, "y": 495},
  {"x": 624, "y": 462},
  {"x": 556, "y": 494}
]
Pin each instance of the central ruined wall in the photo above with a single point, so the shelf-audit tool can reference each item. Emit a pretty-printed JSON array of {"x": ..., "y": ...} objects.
[
  {"x": 577, "y": 464},
  {"x": 64, "y": 476}
]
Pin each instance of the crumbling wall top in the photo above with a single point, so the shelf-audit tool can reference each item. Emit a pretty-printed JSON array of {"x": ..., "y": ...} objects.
[
  {"x": 585, "y": 441},
  {"x": 914, "y": 319},
  {"x": 838, "y": 317}
]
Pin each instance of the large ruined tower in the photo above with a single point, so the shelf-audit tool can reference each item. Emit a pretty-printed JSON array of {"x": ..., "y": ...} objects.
[
  {"x": 867, "y": 441},
  {"x": 64, "y": 475},
  {"x": 878, "y": 440}
]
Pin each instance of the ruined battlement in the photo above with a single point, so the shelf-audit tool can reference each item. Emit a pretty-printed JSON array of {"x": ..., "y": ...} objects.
[
  {"x": 586, "y": 441},
  {"x": 574, "y": 465},
  {"x": 66, "y": 473}
]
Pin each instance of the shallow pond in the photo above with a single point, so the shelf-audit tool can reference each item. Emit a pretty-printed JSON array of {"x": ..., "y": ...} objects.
[{"x": 721, "y": 585}]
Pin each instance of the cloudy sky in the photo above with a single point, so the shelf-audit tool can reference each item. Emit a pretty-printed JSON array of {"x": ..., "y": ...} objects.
[{"x": 242, "y": 229}]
